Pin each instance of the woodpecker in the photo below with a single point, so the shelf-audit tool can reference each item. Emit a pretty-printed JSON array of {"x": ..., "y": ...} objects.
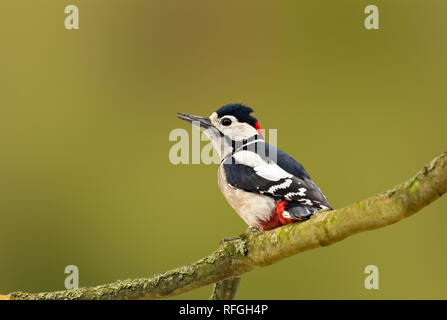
[{"x": 263, "y": 184}]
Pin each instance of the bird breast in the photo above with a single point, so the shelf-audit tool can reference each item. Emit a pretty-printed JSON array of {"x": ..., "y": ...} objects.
[{"x": 252, "y": 208}]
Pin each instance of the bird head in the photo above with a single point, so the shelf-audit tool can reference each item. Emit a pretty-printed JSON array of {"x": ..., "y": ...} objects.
[{"x": 230, "y": 123}]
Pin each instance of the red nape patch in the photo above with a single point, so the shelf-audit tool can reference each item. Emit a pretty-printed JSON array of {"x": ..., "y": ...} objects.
[
  {"x": 277, "y": 219},
  {"x": 258, "y": 127}
]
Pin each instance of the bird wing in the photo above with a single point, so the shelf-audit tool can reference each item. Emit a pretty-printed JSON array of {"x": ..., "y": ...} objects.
[{"x": 258, "y": 173}]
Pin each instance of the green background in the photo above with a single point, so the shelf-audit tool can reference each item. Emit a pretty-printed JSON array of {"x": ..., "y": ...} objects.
[{"x": 85, "y": 117}]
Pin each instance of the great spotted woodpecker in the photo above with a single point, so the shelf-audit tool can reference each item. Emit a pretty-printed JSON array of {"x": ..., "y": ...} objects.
[{"x": 263, "y": 184}]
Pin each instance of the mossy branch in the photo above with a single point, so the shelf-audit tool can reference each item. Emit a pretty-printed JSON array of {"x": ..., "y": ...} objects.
[{"x": 255, "y": 249}]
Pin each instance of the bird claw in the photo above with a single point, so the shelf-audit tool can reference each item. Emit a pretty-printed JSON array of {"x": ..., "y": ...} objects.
[
  {"x": 228, "y": 239},
  {"x": 249, "y": 230},
  {"x": 253, "y": 230}
]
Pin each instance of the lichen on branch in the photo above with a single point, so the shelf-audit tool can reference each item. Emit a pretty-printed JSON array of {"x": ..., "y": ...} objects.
[{"x": 255, "y": 249}]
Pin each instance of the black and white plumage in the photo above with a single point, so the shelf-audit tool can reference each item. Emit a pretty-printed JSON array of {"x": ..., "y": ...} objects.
[
  {"x": 267, "y": 187},
  {"x": 283, "y": 179}
]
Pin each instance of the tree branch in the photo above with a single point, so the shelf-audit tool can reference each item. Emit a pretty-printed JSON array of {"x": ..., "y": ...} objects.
[
  {"x": 255, "y": 249},
  {"x": 226, "y": 289}
]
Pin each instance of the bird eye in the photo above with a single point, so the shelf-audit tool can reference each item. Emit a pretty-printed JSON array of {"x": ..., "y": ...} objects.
[{"x": 226, "y": 122}]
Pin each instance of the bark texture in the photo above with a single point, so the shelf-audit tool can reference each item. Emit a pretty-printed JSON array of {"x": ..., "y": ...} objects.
[{"x": 255, "y": 249}]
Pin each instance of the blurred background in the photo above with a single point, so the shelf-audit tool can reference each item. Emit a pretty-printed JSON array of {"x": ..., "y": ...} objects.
[{"x": 85, "y": 116}]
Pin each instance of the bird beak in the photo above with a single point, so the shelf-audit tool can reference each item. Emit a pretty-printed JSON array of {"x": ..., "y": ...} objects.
[{"x": 202, "y": 123}]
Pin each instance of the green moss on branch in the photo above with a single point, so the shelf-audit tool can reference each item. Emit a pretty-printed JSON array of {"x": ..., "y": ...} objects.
[{"x": 254, "y": 249}]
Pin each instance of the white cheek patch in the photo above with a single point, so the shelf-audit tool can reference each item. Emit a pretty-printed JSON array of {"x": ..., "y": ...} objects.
[{"x": 238, "y": 131}]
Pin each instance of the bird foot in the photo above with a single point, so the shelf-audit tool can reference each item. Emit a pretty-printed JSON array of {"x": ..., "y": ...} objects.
[
  {"x": 228, "y": 239},
  {"x": 253, "y": 230}
]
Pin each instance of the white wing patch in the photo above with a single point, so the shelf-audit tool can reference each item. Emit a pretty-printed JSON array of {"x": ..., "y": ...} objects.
[
  {"x": 283, "y": 185},
  {"x": 306, "y": 202},
  {"x": 267, "y": 170},
  {"x": 301, "y": 193},
  {"x": 248, "y": 158}
]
